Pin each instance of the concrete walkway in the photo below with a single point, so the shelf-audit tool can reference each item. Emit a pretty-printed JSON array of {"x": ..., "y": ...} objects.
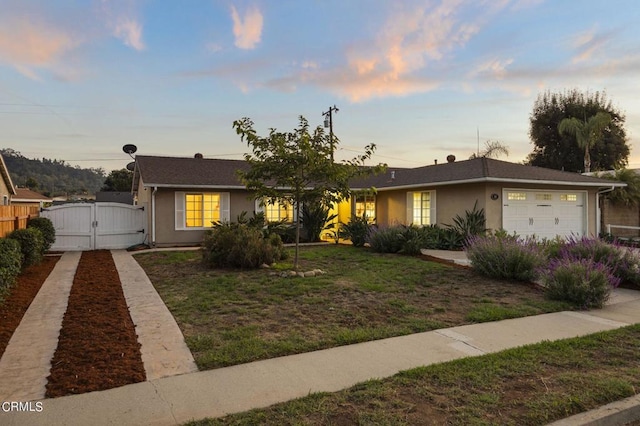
[
  {"x": 180, "y": 397},
  {"x": 25, "y": 364},
  {"x": 177, "y": 399}
]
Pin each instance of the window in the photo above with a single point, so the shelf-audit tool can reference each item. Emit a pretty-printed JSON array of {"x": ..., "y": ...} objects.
[
  {"x": 366, "y": 204},
  {"x": 198, "y": 210},
  {"x": 568, "y": 197},
  {"x": 421, "y": 208},
  {"x": 517, "y": 196},
  {"x": 544, "y": 197},
  {"x": 277, "y": 210},
  {"x": 5, "y": 200}
]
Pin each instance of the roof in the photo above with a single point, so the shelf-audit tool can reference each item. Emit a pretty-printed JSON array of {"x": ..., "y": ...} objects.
[
  {"x": 4, "y": 173},
  {"x": 26, "y": 195},
  {"x": 479, "y": 170},
  {"x": 177, "y": 172}
]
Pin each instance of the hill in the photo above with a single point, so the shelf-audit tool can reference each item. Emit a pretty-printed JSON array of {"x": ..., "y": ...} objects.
[{"x": 52, "y": 177}]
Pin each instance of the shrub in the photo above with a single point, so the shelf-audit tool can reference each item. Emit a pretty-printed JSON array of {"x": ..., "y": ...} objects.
[
  {"x": 386, "y": 239},
  {"x": 473, "y": 223},
  {"x": 505, "y": 258},
  {"x": 10, "y": 261},
  {"x": 241, "y": 246},
  {"x": 45, "y": 226},
  {"x": 583, "y": 282},
  {"x": 315, "y": 219},
  {"x": 31, "y": 243},
  {"x": 357, "y": 230}
]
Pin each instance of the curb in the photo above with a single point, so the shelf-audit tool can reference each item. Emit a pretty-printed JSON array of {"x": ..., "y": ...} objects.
[{"x": 616, "y": 413}]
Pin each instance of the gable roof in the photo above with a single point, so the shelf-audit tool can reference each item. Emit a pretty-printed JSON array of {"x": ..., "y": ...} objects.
[
  {"x": 180, "y": 172},
  {"x": 26, "y": 195},
  {"x": 4, "y": 173},
  {"x": 478, "y": 170}
]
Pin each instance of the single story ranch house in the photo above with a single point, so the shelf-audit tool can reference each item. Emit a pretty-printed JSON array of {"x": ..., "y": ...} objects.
[{"x": 183, "y": 196}]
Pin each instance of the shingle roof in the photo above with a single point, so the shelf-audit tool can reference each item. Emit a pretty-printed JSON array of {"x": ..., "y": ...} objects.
[
  {"x": 478, "y": 170},
  {"x": 188, "y": 172},
  {"x": 218, "y": 173},
  {"x": 25, "y": 194}
]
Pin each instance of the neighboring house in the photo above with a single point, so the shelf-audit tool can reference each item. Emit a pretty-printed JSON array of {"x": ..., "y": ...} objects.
[
  {"x": 7, "y": 190},
  {"x": 114, "y": 197},
  {"x": 184, "y": 195},
  {"x": 27, "y": 197}
]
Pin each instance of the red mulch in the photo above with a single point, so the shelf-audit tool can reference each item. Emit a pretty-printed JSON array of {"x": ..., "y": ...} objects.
[
  {"x": 98, "y": 347},
  {"x": 20, "y": 297}
]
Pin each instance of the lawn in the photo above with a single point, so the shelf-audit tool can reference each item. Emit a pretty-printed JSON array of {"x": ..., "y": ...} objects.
[
  {"x": 530, "y": 385},
  {"x": 230, "y": 316}
]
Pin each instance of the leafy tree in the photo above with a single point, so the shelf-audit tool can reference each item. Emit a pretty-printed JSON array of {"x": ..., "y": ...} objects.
[
  {"x": 560, "y": 151},
  {"x": 492, "y": 149},
  {"x": 118, "y": 181},
  {"x": 297, "y": 167},
  {"x": 586, "y": 132},
  {"x": 628, "y": 195},
  {"x": 31, "y": 183}
]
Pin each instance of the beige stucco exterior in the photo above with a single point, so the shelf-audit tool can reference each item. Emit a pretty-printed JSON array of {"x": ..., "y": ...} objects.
[{"x": 452, "y": 200}]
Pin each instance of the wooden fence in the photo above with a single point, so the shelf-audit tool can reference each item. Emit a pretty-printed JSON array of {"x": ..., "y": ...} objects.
[{"x": 15, "y": 217}]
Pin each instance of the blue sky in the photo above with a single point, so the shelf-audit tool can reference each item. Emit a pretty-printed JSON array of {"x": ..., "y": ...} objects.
[{"x": 420, "y": 79}]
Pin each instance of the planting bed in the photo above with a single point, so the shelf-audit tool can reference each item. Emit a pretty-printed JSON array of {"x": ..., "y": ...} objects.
[{"x": 98, "y": 347}]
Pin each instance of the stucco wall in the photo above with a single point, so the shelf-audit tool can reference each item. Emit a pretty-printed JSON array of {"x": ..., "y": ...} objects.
[{"x": 452, "y": 200}]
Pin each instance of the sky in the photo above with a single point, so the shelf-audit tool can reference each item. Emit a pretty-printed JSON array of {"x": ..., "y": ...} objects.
[{"x": 419, "y": 79}]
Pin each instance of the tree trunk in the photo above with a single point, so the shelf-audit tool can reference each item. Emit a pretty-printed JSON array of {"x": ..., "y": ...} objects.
[
  {"x": 295, "y": 256},
  {"x": 587, "y": 159}
]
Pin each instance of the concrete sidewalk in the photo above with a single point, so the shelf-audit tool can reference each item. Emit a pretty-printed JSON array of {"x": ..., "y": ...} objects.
[{"x": 177, "y": 399}]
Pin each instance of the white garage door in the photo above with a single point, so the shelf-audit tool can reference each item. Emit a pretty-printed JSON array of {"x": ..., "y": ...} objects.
[{"x": 544, "y": 214}]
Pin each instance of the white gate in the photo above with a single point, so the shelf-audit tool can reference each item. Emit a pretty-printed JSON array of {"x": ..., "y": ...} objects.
[{"x": 94, "y": 226}]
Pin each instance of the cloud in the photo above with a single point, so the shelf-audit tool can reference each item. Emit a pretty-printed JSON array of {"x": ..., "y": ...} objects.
[
  {"x": 130, "y": 32},
  {"x": 247, "y": 30},
  {"x": 588, "y": 44},
  {"x": 494, "y": 68},
  {"x": 122, "y": 22},
  {"x": 27, "y": 44}
]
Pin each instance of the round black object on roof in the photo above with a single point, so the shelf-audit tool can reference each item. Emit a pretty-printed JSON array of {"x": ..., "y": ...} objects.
[{"x": 129, "y": 149}]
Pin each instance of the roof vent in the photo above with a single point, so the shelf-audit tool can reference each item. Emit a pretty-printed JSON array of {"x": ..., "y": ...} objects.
[
  {"x": 451, "y": 158},
  {"x": 435, "y": 161},
  {"x": 198, "y": 155},
  {"x": 393, "y": 174}
]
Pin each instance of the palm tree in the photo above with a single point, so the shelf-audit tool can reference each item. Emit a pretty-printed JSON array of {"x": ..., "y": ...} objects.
[
  {"x": 492, "y": 149},
  {"x": 587, "y": 132}
]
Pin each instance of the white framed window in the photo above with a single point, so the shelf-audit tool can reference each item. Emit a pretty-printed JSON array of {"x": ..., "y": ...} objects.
[
  {"x": 365, "y": 204},
  {"x": 544, "y": 197},
  {"x": 421, "y": 208},
  {"x": 5, "y": 200},
  {"x": 517, "y": 196},
  {"x": 276, "y": 210},
  {"x": 200, "y": 210},
  {"x": 568, "y": 197}
]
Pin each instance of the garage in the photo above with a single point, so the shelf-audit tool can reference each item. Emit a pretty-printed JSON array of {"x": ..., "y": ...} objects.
[{"x": 544, "y": 213}]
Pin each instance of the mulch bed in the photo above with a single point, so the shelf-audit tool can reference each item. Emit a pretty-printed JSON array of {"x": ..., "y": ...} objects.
[
  {"x": 20, "y": 297},
  {"x": 98, "y": 347}
]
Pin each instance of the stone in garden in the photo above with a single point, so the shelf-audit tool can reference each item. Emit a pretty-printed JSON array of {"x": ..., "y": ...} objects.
[
  {"x": 310, "y": 274},
  {"x": 264, "y": 266},
  {"x": 300, "y": 274}
]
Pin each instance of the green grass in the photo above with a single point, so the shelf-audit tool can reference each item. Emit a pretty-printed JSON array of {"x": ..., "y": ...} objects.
[
  {"x": 530, "y": 385},
  {"x": 236, "y": 316}
]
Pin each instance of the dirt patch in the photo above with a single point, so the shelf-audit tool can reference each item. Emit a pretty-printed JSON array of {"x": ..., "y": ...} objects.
[
  {"x": 20, "y": 297},
  {"x": 98, "y": 347}
]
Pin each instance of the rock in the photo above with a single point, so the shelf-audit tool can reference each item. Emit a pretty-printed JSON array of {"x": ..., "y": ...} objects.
[
  {"x": 319, "y": 271},
  {"x": 292, "y": 273},
  {"x": 300, "y": 274},
  {"x": 264, "y": 266},
  {"x": 310, "y": 274}
]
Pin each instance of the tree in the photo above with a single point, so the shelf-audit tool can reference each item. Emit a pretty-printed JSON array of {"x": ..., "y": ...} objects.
[
  {"x": 586, "y": 132},
  {"x": 560, "y": 151},
  {"x": 31, "y": 183},
  {"x": 492, "y": 149},
  {"x": 297, "y": 167},
  {"x": 118, "y": 181},
  {"x": 628, "y": 195}
]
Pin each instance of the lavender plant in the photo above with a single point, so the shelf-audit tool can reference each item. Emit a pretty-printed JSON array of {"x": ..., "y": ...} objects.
[{"x": 506, "y": 257}]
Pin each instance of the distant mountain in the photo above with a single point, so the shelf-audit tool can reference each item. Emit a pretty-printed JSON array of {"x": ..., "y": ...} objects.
[{"x": 52, "y": 177}]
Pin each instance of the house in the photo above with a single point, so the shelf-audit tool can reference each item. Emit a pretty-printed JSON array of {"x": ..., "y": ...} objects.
[
  {"x": 7, "y": 190},
  {"x": 182, "y": 196},
  {"x": 27, "y": 197}
]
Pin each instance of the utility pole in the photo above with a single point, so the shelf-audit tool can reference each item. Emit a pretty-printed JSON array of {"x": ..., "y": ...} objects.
[{"x": 328, "y": 122}]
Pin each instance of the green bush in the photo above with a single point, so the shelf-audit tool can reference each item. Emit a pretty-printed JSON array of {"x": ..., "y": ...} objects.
[
  {"x": 386, "y": 239},
  {"x": 10, "y": 261},
  {"x": 315, "y": 219},
  {"x": 473, "y": 223},
  {"x": 240, "y": 246},
  {"x": 31, "y": 244},
  {"x": 45, "y": 226},
  {"x": 505, "y": 258},
  {"x": 357, "y": 230},
  {"x": 583, "y": 282}
]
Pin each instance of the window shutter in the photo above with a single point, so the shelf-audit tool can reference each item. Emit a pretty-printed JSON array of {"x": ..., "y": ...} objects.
[
  {"x": 180, "y": 219},
  {"x": 259, "y": 205},
  {"x": 225, "y": 207},
  {"x": 410, "y": 208}
]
